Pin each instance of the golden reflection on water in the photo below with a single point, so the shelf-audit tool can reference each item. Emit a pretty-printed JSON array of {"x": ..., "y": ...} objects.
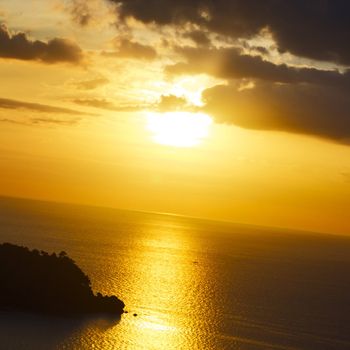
[
  {"x": 160, "y": 273},
  {"x": 158, "y": 279},
  {"x": 155, "y": 324},
  {"x": 163, "y": 272},
  {"x": 192, "y": 285}
]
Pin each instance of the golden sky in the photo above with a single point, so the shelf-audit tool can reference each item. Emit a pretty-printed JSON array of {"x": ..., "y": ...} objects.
[{"x": 191, "y": 108}]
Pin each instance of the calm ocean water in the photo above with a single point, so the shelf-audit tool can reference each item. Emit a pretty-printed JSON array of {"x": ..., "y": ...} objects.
[{"x": 194, "y": 284}]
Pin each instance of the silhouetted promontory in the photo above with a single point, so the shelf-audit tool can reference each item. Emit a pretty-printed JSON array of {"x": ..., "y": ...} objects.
[{"x": 36, "y": 281}]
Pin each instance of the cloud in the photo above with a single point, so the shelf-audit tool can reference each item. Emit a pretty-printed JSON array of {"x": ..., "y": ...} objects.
[
  {"x": 169, "y": 103},
  {"x": 304, "y": 108},
  {"x": 127, "y": 48},
  {"x": 80, "y": 11},
  {"x": 199, "y": 37},
  {"x": 37, "y": 107},
  {"x": 13, "y": 121},
  {"x": 108, "y": 105},
  {"x": 90, "y": 13},
  {"x": 40, "y": 121},
  {"x": 229, "y": 63},
  {"x": 66, "y": 122},
  {"x": 18, "y": 46},
  {"x": 316, "y": 29},
  {"x": 275, "y": 96},
  {"x": 166, "y": 103},
  {"x": 90, "y": 84},
  {"x": 267, "y": 96}
]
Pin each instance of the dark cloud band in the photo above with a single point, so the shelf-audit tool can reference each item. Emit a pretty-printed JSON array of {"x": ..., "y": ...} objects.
[
  {"x": 317, "y": 29},
  {"x": 18, "y": 46},
  {"x": 231, "y": 64},
  {"x": 304, "y": 109}
]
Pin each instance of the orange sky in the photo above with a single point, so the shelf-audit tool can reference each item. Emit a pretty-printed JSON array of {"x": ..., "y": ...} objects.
[{"x": 139, "y": 116}]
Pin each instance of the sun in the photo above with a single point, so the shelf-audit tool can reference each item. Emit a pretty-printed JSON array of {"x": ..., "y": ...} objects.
[{"x": 179, "y": 129}]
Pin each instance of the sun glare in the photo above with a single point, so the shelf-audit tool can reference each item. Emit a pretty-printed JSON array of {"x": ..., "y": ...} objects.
[{"x": 179, "y": 129}]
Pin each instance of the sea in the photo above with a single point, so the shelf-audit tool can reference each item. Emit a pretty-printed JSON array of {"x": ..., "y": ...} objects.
[{"x": 187, "y": 283}]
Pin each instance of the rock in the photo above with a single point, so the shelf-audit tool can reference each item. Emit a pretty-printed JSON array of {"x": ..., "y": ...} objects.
[{"x": 51, "y": 284}]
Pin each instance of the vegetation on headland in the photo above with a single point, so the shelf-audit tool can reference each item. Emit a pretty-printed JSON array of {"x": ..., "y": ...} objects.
[{"x": 35, "y": 281}]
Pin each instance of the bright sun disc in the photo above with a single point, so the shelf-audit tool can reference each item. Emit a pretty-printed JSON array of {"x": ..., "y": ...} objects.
[{"x": 179, "y": 129}]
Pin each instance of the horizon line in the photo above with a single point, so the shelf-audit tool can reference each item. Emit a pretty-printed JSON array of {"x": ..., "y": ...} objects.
[{"x": 251, "y": 225}]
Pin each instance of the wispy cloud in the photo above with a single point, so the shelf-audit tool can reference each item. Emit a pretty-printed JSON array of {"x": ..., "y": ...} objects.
[
  {"x": 90, "y": 84},
  {"x": 108, "y": 105},
  {"x": 37, "y": 107},
  {"x": 127, "y": 48},
  {"x": 90, "y": 13},
  {"x": 41, "y": 121}
]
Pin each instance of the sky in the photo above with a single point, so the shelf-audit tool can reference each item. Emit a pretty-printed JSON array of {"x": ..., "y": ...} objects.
[{"x": 230, "y": 110}]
